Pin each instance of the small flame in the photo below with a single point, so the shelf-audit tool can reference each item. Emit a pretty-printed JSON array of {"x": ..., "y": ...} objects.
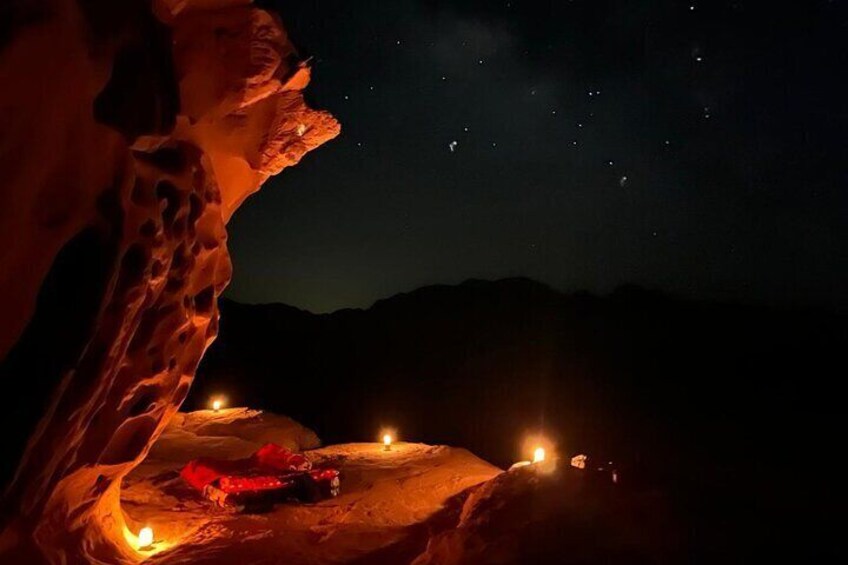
[
  {"x": 145, "y": 537},
  {"x": 216, "y": 404},
  {"x": 539, "y": 455},
  {"x": 388, "y": 437}
]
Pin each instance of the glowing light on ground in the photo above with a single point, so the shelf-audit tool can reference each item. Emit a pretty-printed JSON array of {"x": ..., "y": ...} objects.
[
  {"x": 539, "y": 455},
  {"x": 388, "y": 437},
  {"x": 217, "y": 404},
  {"x": 141, "y": 538},
  {"x": 540, "y": 451},
  {"x": 145, "y": 537}
]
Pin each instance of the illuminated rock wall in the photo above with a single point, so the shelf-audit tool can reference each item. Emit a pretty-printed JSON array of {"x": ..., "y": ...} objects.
[{"x": 131, "y": 133}]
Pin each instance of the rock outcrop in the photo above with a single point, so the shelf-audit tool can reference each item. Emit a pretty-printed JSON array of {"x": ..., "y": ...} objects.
[
  {"x": 390, "y": 501},
  {"x": 417, "y": 503},
  {"x": 533, "y": 515},
  {"x": 131, "y": 132}
]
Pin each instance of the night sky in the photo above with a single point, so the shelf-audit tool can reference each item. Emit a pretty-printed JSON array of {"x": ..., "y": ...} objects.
[{"x": 693, "y": 147}]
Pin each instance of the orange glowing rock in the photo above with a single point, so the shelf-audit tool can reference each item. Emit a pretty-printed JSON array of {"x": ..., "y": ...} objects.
[
  {"x": 117, "y": 190},
  {"x": 579, "y": 461}
]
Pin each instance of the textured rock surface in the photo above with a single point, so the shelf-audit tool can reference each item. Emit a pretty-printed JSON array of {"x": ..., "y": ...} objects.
[
  {"x": 417, "y": 504},
  {"x": 131, "y": 133},
  {"x": 528, "y": 515},
  {"x": 231, "y": 433},
  {"x": 390, "y": 501}
]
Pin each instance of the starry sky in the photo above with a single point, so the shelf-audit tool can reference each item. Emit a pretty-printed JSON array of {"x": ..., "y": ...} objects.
[{"x": 693, "y": 147}]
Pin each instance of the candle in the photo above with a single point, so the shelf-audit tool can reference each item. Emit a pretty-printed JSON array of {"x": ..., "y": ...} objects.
[{"x": 145, "y": 537}]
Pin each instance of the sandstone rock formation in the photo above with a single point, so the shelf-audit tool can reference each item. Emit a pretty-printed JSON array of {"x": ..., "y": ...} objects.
[
  {"x": 528, "y": 515},
  {"x": 421, "y": 504},
  {"x": 390, "y": 502},
  {"x": 131, "y": 131}
]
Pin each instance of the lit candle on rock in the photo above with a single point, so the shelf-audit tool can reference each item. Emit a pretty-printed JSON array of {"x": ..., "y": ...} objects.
[
  {"x": 539, "y": 455},
  {"x": 145, "y": 538}
]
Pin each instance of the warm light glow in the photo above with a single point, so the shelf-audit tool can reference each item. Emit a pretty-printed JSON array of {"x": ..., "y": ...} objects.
[
  {"x": 145, "y": 537},
  {"x": 541, "y": 450},
  {"x": 388, "y": 436},
  {"x": 539, "y": 455},
  {"x": 216, "y": 404}
]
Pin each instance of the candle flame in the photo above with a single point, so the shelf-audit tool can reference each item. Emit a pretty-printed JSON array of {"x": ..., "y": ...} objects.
[
  {"x": 216, "y": 405},
  {"x": 388, "y": 436},
  {"x": 145, "y": 537},
  {"x": 539, "y": 455}
]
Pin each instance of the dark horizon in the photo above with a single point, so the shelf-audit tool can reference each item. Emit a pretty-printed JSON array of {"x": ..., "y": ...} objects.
[
  {"x": 723, "y": 122},
  {"x": 624, "y": 288},
  {"x": 727, "y": 374}
]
